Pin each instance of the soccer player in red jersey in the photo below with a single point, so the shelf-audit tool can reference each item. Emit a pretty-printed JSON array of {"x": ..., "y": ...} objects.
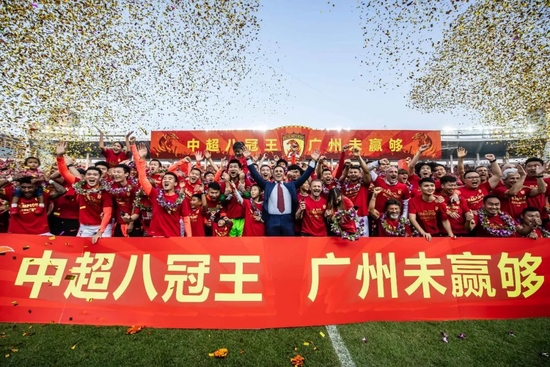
[
  {"x": 222, "y": 227},
  {"x": 419, "y": 170},
  {"x": 169, "y": 206},
  {"x": 513, "y": 194},
  {"x": 29, "y": 220},
  {"x": 391, "y": 189},
  {"x": 458, "y": 211},
  {"x": 233, "y": 209},
  {"x": 390, "y": 223},
  {"x": 65, "y": 213},
  {"x": 311, "y": 211},
  {"x": 212, "y": 205},
  {"x": 116, "y": 154},
  {"x": 535, "y": 169},
  {"x": 426, "y": 214},
  {"x": 474, "y": 191},
  {"x": 530, "y": 218},
  {"x": 492, "y": 222},
  {"x": 124, "y": 195},
  {"x": 96, "y": 205},
  {"x": 253, "y": 222},
  {"x": 196, "y": 216}
]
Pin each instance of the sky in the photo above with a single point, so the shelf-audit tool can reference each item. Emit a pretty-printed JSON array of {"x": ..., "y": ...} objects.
[{"x": 318, "y": 49}]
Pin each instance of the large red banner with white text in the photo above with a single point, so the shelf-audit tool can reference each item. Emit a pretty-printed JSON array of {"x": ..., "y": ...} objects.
[
  {"x": 297, "y": 140},
  {"x": 243, "y": 283}
]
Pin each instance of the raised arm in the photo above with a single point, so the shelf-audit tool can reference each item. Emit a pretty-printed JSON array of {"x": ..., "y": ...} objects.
[
  {"x": 252, "y": 170},
  {"x": 140, "y": 165},
  {"x": 311, "y": 167},
  {"x": 101, "y": 139},
  {"x": 338, "y": 172},
  {"x": 512, "y": 191},
  {"x": 461, "y": 153},
  {"x": 128, "y": 140},
  {"x": 416, "y": 158},
  {"x": 364, "y": 167},
  {"x": 495, "y": 170},
  {"x": 61, "y": 165}
]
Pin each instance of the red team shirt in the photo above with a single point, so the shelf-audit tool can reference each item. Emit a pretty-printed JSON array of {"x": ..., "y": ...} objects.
[
  {"x": 428, "y": 215},
  {"x": 513, "y": 205},
  {"x": 457, "y": 224},
  {"x": 392, "y": 224},
  {"x": 91, "y": 206},
  {"x": 474, "y": 197},
  {"x": 113, "y": 159},
  {"x": 252, "y": 227},
  {"x": 313, "y": 222},
  {"x": 124, "y": 202},
  {"x": 495, "y": 222},
  {"x": 399, "y": 191},
  {"x": 196, "y": 218},
  {"x": 166, "y": 224},
  {"x": 359, "y": 194},
  {"x": 538, "y": 201},
  {"x": 66, "y": 205},
  {"x": 27, "y": 222}
]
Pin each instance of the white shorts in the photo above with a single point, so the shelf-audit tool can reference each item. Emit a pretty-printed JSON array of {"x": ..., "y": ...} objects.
[{"x": 90, "y": 231}]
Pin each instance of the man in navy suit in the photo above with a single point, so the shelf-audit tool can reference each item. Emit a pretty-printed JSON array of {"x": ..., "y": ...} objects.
[{"x": 280, "y": 197}]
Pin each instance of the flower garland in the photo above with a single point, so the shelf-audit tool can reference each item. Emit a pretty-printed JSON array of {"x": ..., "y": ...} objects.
[
  {"x": 255, "y": 209},
  {"x": 351, "y": 214},
  {"x": 140, "y": 195},
  {"x": 545, "y": 233},
  {"x": 509, "y": 224},
  {"x": 168, "y": 206},
  {"x": 349, "y": 188},
  {"x": 400, "y": 230},
  {"x": 79, "y": 188},
  {"x": 117, "y": 191},
  {"x": 326, "y": 189}
]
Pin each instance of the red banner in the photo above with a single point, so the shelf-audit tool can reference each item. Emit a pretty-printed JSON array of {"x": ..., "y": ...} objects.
[
  {"x": 288, "y": 140},
  {"x": 242, "y": 283}
]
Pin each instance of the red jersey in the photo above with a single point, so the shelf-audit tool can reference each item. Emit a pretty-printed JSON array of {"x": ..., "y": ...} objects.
[
  {"x": 414, "y": 181},
  {"x": 513, "y": 205},
  {"x": 124, "y": 200},
  {"x": 326, "y": 188},
  {"x": 358, "y": 193},
  {"x": 164, "y": 223},
  {"x": 196, "y": 218},
  {"x": 231, "y": 207},
  {"x": 66, "y": 205},
  {"x": 429, "y": 215},
  {"x": 538, "y": 201},
  {"x": 113, "y": 159},
  {"x": 26, "y": 221},
  {"x": 313, "y": 222},
  {"x": 388, "y": 227},
  {"x": 399, "y": 191},
  {"x": 91, "y": 205},
  {"x": 218, "y": 231},
  {"x": 252, "y": 227},
  {"x": 189, "y": 189},
  {"x": 474, "y": 197},
  {"x": 457, "y": 224}
]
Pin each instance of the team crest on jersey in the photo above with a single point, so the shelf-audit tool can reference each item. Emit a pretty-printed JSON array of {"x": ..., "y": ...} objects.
[{"x": 294, "y": 144}]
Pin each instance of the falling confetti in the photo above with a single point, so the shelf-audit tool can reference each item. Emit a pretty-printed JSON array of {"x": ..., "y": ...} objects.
[{"x": 71, "y": 66}]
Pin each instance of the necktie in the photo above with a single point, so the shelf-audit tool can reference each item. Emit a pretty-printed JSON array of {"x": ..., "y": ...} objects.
[{"x": 280, "y": 198}]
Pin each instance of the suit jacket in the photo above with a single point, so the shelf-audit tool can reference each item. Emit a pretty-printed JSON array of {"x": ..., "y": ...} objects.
[{"x": 268, "y": 187}]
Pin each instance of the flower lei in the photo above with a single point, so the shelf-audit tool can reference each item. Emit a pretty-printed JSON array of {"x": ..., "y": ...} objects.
[
  {"x": 545, "y": 233},
  {"x": 349, "y": 187},
  {"x": 79, "y": 188},
  {"x": 117, "y": 191},
  {"x": 326, "y": 189},
  {"x": 352, "y": 214},
  {"x": 400, "y": 230},
  {"x": 509, "y": 229},
  {"x": 168, "y": 206},
  {"x": 140, "y": 195}
]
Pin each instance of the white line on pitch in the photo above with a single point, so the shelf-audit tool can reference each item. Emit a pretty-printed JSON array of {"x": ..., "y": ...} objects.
[{"x": 341, "y": 351}]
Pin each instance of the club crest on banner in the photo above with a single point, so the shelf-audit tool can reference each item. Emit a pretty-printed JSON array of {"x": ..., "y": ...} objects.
[{"x": 293, "y": 144}]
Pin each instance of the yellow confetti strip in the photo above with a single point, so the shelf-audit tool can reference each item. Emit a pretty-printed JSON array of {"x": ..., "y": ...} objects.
[{"x": 322, "y": 334}]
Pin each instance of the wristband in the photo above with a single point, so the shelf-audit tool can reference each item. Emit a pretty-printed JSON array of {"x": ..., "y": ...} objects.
[
  {"x": 493, "y": 161},
  {"x": 51, "y": 182},
  {"x": 539, "y": 176},
  {"x": 9, "y": 179}
]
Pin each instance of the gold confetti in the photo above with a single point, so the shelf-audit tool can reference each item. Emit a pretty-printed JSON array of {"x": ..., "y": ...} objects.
[
  {"x": 15, "y": 303},
  {"x": 73, "y": 347},
  {"x": 322, "y": 334}
]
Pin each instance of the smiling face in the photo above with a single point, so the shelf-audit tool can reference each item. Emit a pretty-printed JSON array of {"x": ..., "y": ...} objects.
[
  {"x": 393, "y": 211},
  {"x": 265, "y": 171},
  {"x": 316, "y": 188},
  {"x": 279, "y": 173},
  {"x": 427, "y": 188},
  {"x": 116, "y": 148},
  {"x": 154, "y": 166},
  {"x": 391, "y": 175},
  {"x": 169, "y": 182},
  {"x": 255, "y": 192},
  {"x": 32, "y": 163},
  {"x": 92, "y": 177},
  {"x": 233, "y": 170},
  {"x": 471, "y": 180},
  {"x": 27, "y": 190},
  {"x": 194, "y": 175},
  {"x": 425, "y": 171},
  {"x": 531, "y": 218},
  {"x": 531, "y": 168},
  {"x": 483, "y": 173},
  {"x": 439, "y": 172},
  {"x": 119, "y": 175},
  {"x": 511, "y": 180},
  {"x": 354, "y": 174},
  {"x": 492, "y": 206},
  {"x": 327, "y": 177}
]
